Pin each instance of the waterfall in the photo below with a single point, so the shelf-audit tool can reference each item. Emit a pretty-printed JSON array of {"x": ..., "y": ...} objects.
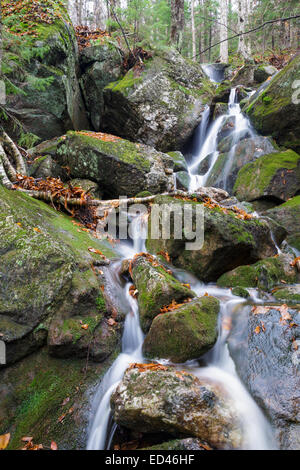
[
  {"x": 208, "y": 145},
  {"x": 219, "y": 366}
]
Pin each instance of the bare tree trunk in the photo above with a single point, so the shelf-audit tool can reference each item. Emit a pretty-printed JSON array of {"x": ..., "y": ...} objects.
[
  {"x": 223, "y": 30},
  {"x": 243, "y": 20},
  {"x": 193, "y": 29},
  {"x": 177, "y": 22}
]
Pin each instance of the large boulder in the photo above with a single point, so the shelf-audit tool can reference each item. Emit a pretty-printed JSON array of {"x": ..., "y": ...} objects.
[
  {"x": 156, "y": 289},
  {"x": 184, "y": 333},
  {"x": 55, "y": 104},
  {"x": 264, "y": 343},
  {"x": 275, "y": 176},
  {"x": 160, "y": 105},
  {"x": 287, "y": 215},
  {"x": 100, "y": 64},
  {"x": 176, "y": 403},
  {"x": 119, "y": 167},
  {"x": 225, "y": 170},
  {"x": 276, "y": 109},
  {"x": 229, "y": 241},
  {"x": 47, "y": 278},
  {"x": 264, "y": 274}
]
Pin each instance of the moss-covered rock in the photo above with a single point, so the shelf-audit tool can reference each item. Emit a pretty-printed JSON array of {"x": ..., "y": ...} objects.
[
  {"x": 287, "y": 215},
  {"x": 275, "y": 111},
  {"x": 179, "y": 161},
  {"x": 49, "y": 399},
  {"x": 263, "y": 72},
  {"x": 276, "y": 175},
  {"x": 288, "y": 295},
  {"x": 232, "y": 159},
  {"x": 120, "y": 167},
  {"x": 156, "y": 289},
  {"x": 159, "y": 106},
  {"x": 240, "y": 292},
  {"x": 177, "y": 403},
  {"x": 49, "y": 109},
  {"x": 185, "y": 333},
  {"x": 264, "y": 274},
  {"x": 45, "y": 272},
  {"x": 228, "y": 240},
  {"x": 100, "y": 65}
]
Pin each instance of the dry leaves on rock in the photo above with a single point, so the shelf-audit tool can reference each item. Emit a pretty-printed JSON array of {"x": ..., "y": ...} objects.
[{"x": 4, "y": 441}]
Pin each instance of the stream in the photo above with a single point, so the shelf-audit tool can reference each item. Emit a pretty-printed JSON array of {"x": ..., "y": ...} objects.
[{"x": 216, "y": 365}]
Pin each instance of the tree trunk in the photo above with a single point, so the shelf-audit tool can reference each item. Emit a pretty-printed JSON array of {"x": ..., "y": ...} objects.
[
  {"x": 177, "y": 23},
  {"x": 193, "y": 29},
  {"x": 223, "y": 31},
  {"x": 244, "y": 47}
]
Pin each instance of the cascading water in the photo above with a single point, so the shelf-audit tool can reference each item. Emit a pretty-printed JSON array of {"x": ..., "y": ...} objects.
[
  {"x": 219, "y": 366},
  {"x": 242, "y": 128}
]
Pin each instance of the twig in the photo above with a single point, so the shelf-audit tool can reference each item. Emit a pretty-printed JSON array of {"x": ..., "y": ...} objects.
[{"x": 247, "y": 32}]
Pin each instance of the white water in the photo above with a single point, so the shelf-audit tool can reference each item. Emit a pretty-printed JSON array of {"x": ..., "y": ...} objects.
[
  {"x": 242, "y": 126},
  {"x": 220, "y": 367}
]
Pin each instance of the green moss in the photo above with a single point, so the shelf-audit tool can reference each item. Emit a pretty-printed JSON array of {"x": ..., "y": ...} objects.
[
  {"x": 123, "y": 150},
  {"x": 243, "y": 276},
  {"x": 287, "y": 295},
  {"x": 126, "y": 84},
  {"x": 294, "y": 202},
  {"x": 240, "y": 292}
]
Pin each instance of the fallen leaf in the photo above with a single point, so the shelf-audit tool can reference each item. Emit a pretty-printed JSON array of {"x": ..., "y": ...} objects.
[
  {"x": 4, "y": 441},
  {"x": 85, "y": 326},
  {"x": 53, "y": 446},
  {"x": 257, "y": 330}
]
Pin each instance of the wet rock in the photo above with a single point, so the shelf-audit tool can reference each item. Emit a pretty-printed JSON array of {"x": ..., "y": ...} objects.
[
  {"x": 240, "y": 292},
  {"x": 177, "y": 403},
  {"x": 183, "y": 180},
  {"x": 119, "y": 167},
  {"x": 180, "y": 444},
  {"x": 185, "y": 333},
  {"x": 100, "y": 64},
  {"x": 228, "y": 241},
  {"x": 275, "y": 110},
  {"x": 264, "y": 274},
  {"x": 287, "y": 215},
  {"x": 89, "y": 186},
  {"x": 225, "y": 170},
  {"x": 45, "y": 167},
  {"x": 263, "y": 72},
  {"x": 276, "y": 175},
  {"x": 288, "y": 294},
  {"x": 179, "y": 161},
  {"x": 45, "y": 272},
  {"x": 159, "y": 106},
  {"x": 156, "y": 289},
  {"x": 269, "y": 368}
]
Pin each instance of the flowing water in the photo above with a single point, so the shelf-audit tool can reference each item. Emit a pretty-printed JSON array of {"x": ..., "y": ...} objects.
[{"x": 219, "y": 366}]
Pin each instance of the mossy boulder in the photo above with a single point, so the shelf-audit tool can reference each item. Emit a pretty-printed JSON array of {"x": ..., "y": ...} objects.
[
  {"x": 179, "y": 161},
  {"x": 160, "y": 105},
  {"x": 265, "y": 349},
  {"x": 185, "y": 333},
  {"x": 276, "y": 109},
  {"x": 264, "y": 274},
  {"x": 183, "y": 180},
  {"x": 120, "y": 167},
  {"x": 49, "y": 399},
  {"x": 263, "y": 72},
  {"x": 233, "y": 158},
  {"x": 287, "y": 215},
  {"x": 228, "y": 241},
  {"x": 45, "y": 272},
  {"x": 276, "y": 176},
  {"x": 177, "y": 403},
  {"x": 288, "y": 295},
  {"x": 156, "y": 289},
  {"x": 56, "y": 105},
  {"x": 100, "y": 64},
  {"x": 240, "y": 292}
]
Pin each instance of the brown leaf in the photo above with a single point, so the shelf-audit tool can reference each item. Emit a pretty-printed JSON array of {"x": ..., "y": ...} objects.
[
  {"x": 53, "y": 446},
  {"x": 257, "y": 330},
  {"x": 4, "y": 441}
]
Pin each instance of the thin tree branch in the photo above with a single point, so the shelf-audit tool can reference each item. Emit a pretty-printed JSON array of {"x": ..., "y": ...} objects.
[
  {"x": 218, "y": 22},
  {"x": 121, "y": 27},
  {"x": 248, "y": 32}
]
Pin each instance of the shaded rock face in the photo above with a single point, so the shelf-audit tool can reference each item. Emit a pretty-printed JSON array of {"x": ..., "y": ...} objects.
[
  {"x": 156, "y": 289},
  {"x": 264, "y": 274},
  {"x": 119, "y": 167},
  {"x": 59, "y": 106},
  {"x": 287, "y": 215},
  {"x": 263, "y": 72},
  {"x": 268, "y": 364},
  {"x": 276, "y": 109},
  {"x": 185, "y": 333},
  {"x": 160, "y": 106},
  {"x": 100, "y": 65},
  {"x": 276, "y": 175},
  {"x": 225, "y": 170},
  {"x": 46, "y": 277},
  {"x": 228, "y": 242},
  {"x": 176, "y": 403},
  {"x": 252, "y": 75}
]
